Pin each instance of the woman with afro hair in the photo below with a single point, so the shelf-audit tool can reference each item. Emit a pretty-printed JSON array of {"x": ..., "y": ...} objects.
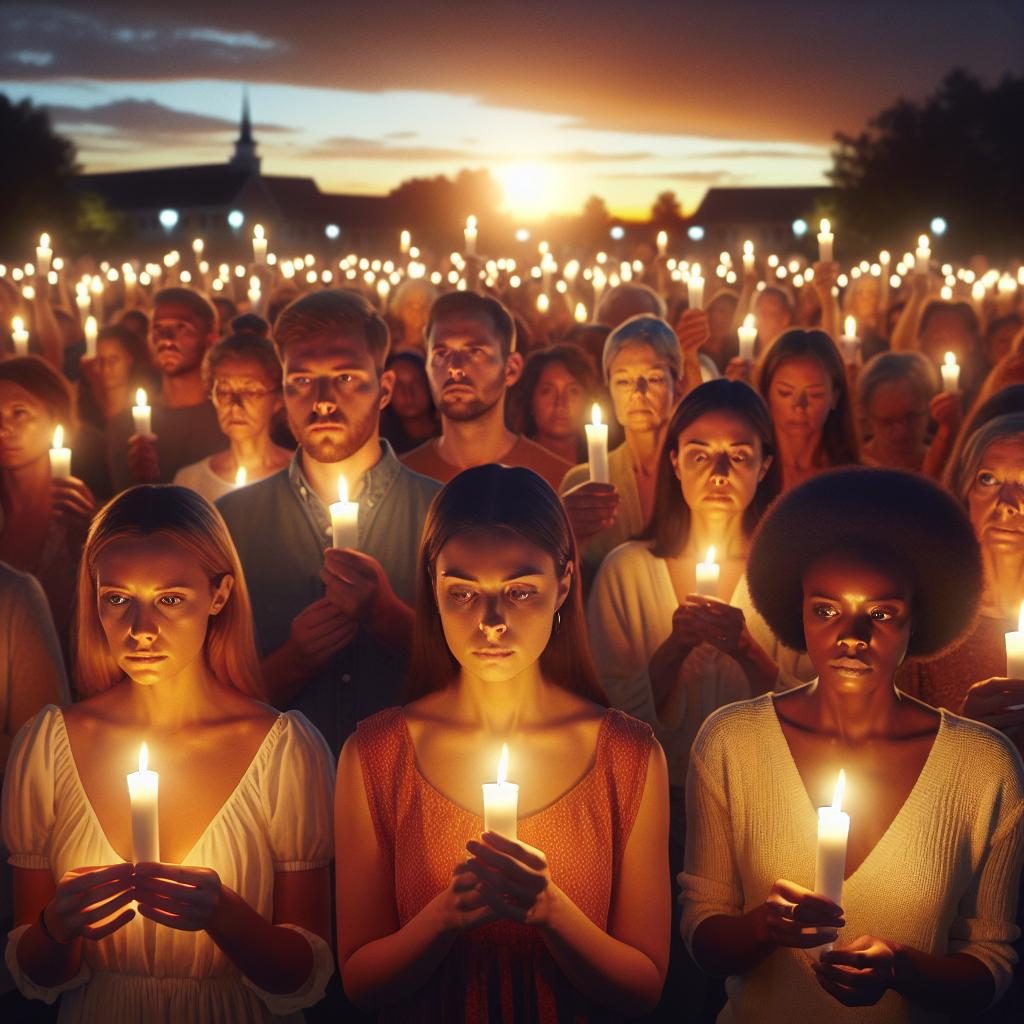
[{"x": 858, "y": 567}]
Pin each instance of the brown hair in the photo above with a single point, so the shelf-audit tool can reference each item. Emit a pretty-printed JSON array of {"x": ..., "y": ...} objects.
[
  {"x": 332, "y": 311},
  {"x": 195, "y": 302},
  {"x": 242, "y": 346},
  {"x": 515, "y": 501},
  {"x": 44, "y": 383},
  {"x": 189, "y": 519},
  {"x": 483, "y": 307}
]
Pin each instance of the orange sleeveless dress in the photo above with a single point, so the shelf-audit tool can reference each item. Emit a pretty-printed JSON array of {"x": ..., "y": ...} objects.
[{"x": 502, "y": 972}]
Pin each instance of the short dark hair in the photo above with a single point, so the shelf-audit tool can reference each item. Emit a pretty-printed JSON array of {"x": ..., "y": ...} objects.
[
  {"x": 44, "y": 383},
  {"x": 195, "y": 302},
  {"x": 887, "y": 517},
  {"x": 332, "y": 311},
  {"x": 242, "y": 346},
  {"x": 483, "y": 307}
]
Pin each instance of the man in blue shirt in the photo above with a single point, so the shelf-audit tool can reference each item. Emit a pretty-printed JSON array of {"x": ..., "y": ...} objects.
[{"x": 333, "y": 625}]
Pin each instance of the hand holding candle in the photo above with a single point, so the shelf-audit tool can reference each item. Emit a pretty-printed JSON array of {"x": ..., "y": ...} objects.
[
  {"x": 143, "y": 787},
  {"x": 501, "y": 801},
  {"x": 597, "y": 446},
  {"x": 344, "y": 518}
]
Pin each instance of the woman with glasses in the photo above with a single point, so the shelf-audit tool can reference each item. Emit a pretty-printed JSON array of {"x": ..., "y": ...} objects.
[{"x": 243, "y": 376}]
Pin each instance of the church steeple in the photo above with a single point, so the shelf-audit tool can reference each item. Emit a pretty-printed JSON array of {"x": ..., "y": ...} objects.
[{"x": 245, "y": 156}]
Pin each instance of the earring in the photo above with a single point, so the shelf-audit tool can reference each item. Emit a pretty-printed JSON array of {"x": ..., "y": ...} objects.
[{"x": 558, "y": 621}]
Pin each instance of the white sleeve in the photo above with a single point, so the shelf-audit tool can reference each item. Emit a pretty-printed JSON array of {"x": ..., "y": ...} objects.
[{"x": 311, "y": 991}]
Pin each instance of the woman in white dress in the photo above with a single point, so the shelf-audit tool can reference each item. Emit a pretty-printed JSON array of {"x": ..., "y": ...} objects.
[{"x": 233, "y": 923}]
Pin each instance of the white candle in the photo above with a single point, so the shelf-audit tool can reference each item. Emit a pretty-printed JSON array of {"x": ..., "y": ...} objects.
[
  {"x": 91, "y": 333},
  {"x": 143, "y": 787},
  {"x": 470, "y": 235},
  {"x": 1015, "y": 649},
  {"x": 708, "y": 572},
  {"x": 830, "y": 865},
  {"x": 748, "y": 256},
  {"x": 950, "y": 373},
  {"x": 748, "y": 336},
  {"x": 922, "y": 255},
  {"x": 197, "y": 247},
  {"x": 849, "y": 342},
  {"x": 825, "y": 240},
  {"x": 404, "y": 241},
  {"x": 501, "y": 801},
  {"x": 259, "y": 245},
  {"x": 543, "y": 303},
  {"x": 44, "y": 254},
  {"x": 580, "y": 314},
  {"x": 60, "y": 457},
  {"x": 84, "y": 302},
  {"x": 597, "y": 446},
  {"x": 344, "y": 518},
  {"x": 241, "y": 476},
  {"x": 695, "y": 287},
  {"x": 255, "y": 294},
  {"x": 141, "y": 413},
  {"x": 662, "y": 242},
  {"x": 19, "y": 336}
]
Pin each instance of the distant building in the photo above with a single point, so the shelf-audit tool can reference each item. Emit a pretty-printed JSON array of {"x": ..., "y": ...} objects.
[
  {"x": 776, "y": 219},
  {"x": 222, "y": 202}
]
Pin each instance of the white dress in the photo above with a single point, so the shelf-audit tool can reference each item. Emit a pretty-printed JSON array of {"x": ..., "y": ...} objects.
[
  {"x": 278, "y": 818},
  {"x": 201, "y": 479}
]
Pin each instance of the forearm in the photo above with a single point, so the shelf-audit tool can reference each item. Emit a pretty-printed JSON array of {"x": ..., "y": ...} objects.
[
  {"x": 691, "y": 377},
  {"x": 391, "y": 624},
  {"x": 666, "y": 686},
  {"x": 759, "y": 667},
  {"x": 937, "y": 453},
  {"x": 285, "y": 673},
  {"x": 904, "y": 334},
  {"x": 47, "y": 330},
  {"x": 955, "y": 983},
  {"x": 724, "y": 945},
  {"x": 401, "y": 962},
  {"x": 611, "y": 973},
  {"x": 276, "y": 959},
  {"x": 46, "y": 962}
]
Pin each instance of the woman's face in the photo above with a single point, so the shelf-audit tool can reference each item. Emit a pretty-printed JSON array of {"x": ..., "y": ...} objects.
[
  {"x": 245, "y": 398},
  {"x": 113, "y": 364},
  {"x": 497, "y": 595},
  {"x": 719, "y": 462},
  {"x": 413, "y": 312},
  {"x": 154, "y": 604},
  {"x": 897, "y": 420},
  {"x": 559, "y": 404},
  {"x": 800, "y": 397},
  {"x": 410, "y": 398},
  {"x": 995, "y": 500},
  {"x": 856, "y": 623},
  {"x": 642, "y": 388},
  {"x": 26, "y": 427}
]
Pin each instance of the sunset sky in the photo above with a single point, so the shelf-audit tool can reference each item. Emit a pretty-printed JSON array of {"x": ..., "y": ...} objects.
[{"x": 559, "y": 100}]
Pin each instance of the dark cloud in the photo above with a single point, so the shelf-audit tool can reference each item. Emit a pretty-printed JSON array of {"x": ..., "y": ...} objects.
[{"x": 146, "y": 117}]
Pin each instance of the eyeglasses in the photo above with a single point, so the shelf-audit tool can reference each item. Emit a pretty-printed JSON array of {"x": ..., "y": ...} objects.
[{"x": 226, "y": 397}]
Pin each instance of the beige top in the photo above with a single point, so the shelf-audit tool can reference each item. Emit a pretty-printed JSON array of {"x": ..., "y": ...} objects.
[{"x": 943, "y": 878}]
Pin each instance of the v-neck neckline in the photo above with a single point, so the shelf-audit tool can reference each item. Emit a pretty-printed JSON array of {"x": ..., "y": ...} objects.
[
  {"x": 275, "y": 726},
  {"x": 797, "y": 783}
]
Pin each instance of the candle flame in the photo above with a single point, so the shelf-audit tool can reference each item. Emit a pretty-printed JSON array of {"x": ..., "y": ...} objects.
[
  {"x": 17, "y": 324},
  {"x": 750, "y": 322},
  {"x": 839, "y": 792},
  {"x": 543, "y": 303},
  {"x": 44, "y": 241},
  {"x": 748, "y": 248},
  {"x": 241, "y": 476},
  {"x": 91, "y": 327},
  {"x": 140, "y": 397},
  {"x": 922, "y": 242},
  {"x": 503, "y": 765},
  {"x": 143, "y": 758},
  {"x": 851, "y": 327},
  {"x": 581, "y": 313},
  {"x": 662, "y": 239},
  {"x": 58, "y": 436},
  {"x": 595, "y": 415},
  {"x": 257, "y": 231},
  {"x": 709, "y": 558},
  {"x": 695, "y": 271},
  {"x": 197, "y": 245},
  {"x": 254, "y": 283},
  {"x": 950, "y": 359},
  {"x": 471, "y": 223},
  {"x": 826, "y": 225},
  {"x": 342, "y": 489}
]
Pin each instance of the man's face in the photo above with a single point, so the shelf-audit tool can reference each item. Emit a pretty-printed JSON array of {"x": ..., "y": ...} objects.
[
  {"x": 468, "y": 373},
  {"x": 333, "y": 394},
  {"x": 178, "y": 339}
]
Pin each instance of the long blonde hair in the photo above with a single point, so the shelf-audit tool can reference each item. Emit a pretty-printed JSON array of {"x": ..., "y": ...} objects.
[{"x": 189, "y": 519}]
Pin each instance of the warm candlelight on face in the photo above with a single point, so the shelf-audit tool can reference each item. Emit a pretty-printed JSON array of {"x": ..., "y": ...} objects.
[
  {"x": 950, "y": 373},
  {"x": 748, "y": 336},
  {"x": 825, "y": 240},
  {"x": 344, "y": 518},
  {"x": 597, "y": 446},
  {"x": 1015, "y": 649},
  {"x": 501, "y": 800},
  {"x": 60, "y": 457},
  {"x": 141, "y": 413},
  {"x": 708, "y": 572},
  {"x": 833, "y": 832},
  {"x": 143, "y": 791}
]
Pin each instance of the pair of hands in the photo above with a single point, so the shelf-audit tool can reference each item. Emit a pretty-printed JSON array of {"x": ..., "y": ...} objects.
[
  {"x": 592, "y": 507},
  {"x": 501, "y": 879},
  {"x": 998, "y": 702},
  {"x": 706, "y": 620},
  {"x": 73, "y": 506},
  {"x": 92, "y": 903},
  {"x": 143, "y": 460},
  {"x": 857, "y": 974}
]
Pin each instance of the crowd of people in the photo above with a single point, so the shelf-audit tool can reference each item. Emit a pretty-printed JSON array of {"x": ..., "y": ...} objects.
[{"x": 322, "y": 714}]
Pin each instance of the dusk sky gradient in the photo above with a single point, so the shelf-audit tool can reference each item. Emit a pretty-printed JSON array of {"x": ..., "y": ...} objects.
[{"x": 558, "y": 100}]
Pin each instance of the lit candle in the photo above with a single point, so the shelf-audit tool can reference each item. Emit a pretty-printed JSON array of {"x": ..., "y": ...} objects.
[
  {"x": 597, "y": 446},
  {"x": 825, "y": 240},
  {"x": 830, "y": 866},
  {"x": 580, "y": 313},
  {"x": 259, "y": 245},
  {"x": 44, "y": 254},
  {"x": 197, "y": 248},
  {"x": 470, "y": 235},
  {"x": 60, "y": 457},
  {"x": 143, "y": 787},
  {"x": 255, "y": 294},
  {"x": 922, "y": 255},
  {"x": 83, "y": 301},
  {"x": 748, "y": 336},
  {"x": 850, "y": 343},
  {"x": 501, "y": 801},
  {"x": 91, "y": 333},
  {"x": 708, "y": 572},
  {"x": 19, "y": 336},
  {"x": 344, "y": 518},
  {"x": 141, "y": 413},
  {"x": 662, "y": 242},
  {"x": 695, "y": 287},
  {"x": 241, "y": 476},
  {"x": 543, "y": 303},
  {"x": 748, "y": 256},
  {"x": 950, "y": 373},
  {"x": 1015, "y": 649},
  {"x": 404, "y": 241}
]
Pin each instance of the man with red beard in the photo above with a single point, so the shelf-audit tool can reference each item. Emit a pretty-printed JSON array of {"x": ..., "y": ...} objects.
[
  {"x": 184, "y": 423},
  {"x": 472, "y": 362},
  {"x": 333, "y": 626}
]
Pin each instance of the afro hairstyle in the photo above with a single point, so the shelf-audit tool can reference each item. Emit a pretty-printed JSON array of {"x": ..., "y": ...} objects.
[{"x": 887, "y": 516}]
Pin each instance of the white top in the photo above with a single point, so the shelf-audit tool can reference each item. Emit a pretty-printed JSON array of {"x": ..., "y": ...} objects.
[
  {"x": 278, "y": 818},
  {"x": 629, "y": 616},
  {"x": 943, "y": 878},
  {"x": 201, "y": 479}
]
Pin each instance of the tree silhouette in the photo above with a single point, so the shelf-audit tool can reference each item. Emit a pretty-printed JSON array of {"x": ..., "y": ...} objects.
[
  {"x": 666, "y": 212},
  {"x": 958, "y": 155},
  {"x": 37, "y": 169},
  {"x": 594, "y": 221},
  {"x": 439, "y": 206}
]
